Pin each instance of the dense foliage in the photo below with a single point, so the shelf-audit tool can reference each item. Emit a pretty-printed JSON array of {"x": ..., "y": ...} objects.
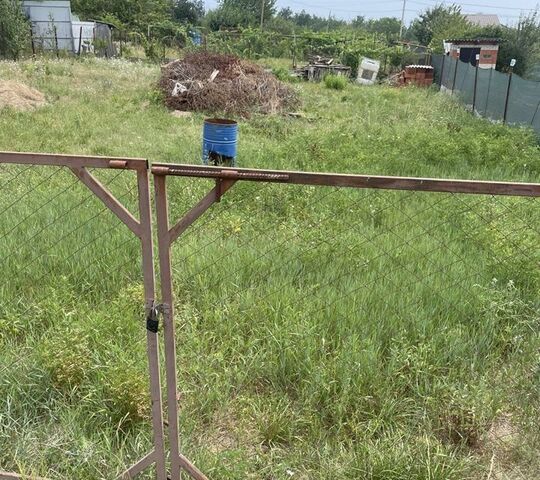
[
  {"x": 14, "y": 29},
  {"x": 162, "y": 23},
  {"x": 342, "y": 46}
]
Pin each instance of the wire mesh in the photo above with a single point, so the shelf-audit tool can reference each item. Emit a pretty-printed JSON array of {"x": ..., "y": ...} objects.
[
  {"x": 73, "y": 381},
  {"x": 348, "y": 303}
]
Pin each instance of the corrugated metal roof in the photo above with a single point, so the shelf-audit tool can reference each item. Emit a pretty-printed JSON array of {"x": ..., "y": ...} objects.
[
  {"x": 482, "y": 19},
  {"x": 474, "y": 41},
  {"x": 425, "y": 67}
]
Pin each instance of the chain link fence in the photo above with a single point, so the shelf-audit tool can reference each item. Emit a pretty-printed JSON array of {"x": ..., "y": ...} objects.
[
  {"x": 349, "y": 314},
  {"x": 75, "y": 400},
  {"x": 384, "y": 317}
]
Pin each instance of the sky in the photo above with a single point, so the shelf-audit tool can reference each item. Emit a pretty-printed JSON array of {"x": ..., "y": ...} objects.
[{"x": 508, "y": 11}]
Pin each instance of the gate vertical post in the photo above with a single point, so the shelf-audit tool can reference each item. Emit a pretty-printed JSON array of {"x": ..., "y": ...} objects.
[
  {"x": 165, "y": 271},
  {"x": 80, "y": 41},
  {"x": 145, "y": 211}
]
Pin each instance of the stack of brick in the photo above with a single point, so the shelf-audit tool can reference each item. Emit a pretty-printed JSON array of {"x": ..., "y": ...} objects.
[{"x": 419, "y": 75}]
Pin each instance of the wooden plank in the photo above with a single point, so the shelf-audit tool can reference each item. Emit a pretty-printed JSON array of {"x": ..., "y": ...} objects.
[
  {"x": 169, "y": 330},
  {"x": 353, "y": 181},
  {"x": 24, "y": 158},
  {"x": 147, "y": 247}
]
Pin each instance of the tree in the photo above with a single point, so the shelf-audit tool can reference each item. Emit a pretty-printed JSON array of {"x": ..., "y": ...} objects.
[
  {"x": 388, "y": 26},
  {"x": 251, "y": 8},
  {"x": 224, "y": 18},
  {"x": 521, "y": 43},
  {"x": 358, "y": 22},
  {"x": 134, "y": 14},
  {"x": 286, "y": 13},
  {"x": 188, "y": 11},
  {"x": 14, "y": 29},
  {"x": 439, "y": 23}
]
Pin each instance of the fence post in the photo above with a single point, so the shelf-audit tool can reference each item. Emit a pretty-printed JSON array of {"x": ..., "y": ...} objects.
[
  {"x": 475, "y": 83},
  {"x": 32, "y": 41},
  {"x": 56, "y": 42},
  {"x": 512, "y": 64},
  {"x": 80, "y": 41},
  {"x": 442, "y": 71},
  {"x": 455, "y": 72},
  {"x": 535, "y": 112}
]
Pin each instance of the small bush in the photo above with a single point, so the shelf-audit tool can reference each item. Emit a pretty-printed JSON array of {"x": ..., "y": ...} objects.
[
  {"x": 335, "y": 82},
  {"x": 67, "y": 357},
  {"x": 284, "y": 75},
  {"x": 127, "y": 393}
]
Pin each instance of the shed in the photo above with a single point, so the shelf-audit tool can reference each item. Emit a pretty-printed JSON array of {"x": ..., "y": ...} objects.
[
  {"x": 103, "y": 39},
  {"x": 83, "y": 35},
  {"x": 51, "y": 23},
  {"x": 466, "y": 50}
]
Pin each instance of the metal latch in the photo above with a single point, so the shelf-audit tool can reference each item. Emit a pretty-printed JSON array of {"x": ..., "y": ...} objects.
[{"x": 152, "y": 320}]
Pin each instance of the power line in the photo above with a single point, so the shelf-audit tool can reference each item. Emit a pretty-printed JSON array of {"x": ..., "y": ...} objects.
[
  {"x": 397, "y": 10},
  {"x": 434, "y": 3}
]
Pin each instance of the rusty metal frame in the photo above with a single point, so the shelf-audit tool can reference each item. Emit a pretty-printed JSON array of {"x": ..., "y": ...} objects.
[
  {"x": 166, "y": 238},
  {"x": 225, "y": 178},
  {"x": 351, "y": 181},
  {"x": 142, "y": 228}
]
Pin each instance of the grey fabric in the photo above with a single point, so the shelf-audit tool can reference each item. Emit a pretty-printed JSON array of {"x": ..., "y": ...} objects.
[{"x": 491, "y": 91}]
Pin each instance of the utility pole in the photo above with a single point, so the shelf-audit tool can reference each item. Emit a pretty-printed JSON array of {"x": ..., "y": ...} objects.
[
  {"x": 262, "y": 14},
  {"x": 402, "y": 20}
]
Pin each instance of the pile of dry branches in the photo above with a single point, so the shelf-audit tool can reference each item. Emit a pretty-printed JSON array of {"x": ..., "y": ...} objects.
[{"x": 223, "y": 83}]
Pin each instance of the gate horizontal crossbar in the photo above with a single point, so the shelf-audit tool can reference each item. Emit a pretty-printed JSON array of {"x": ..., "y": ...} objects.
[{"x": 352, "y": 181}]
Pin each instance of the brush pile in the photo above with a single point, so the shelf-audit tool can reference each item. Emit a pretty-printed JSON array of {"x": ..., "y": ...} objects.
[{"x": 223, "y": 83}]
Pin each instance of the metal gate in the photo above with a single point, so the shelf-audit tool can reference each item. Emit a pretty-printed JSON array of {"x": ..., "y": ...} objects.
[
  {"x": 57, "y": 238},
  {"x": 356, "y": 259},
  {"x": 275, "y": 247}
]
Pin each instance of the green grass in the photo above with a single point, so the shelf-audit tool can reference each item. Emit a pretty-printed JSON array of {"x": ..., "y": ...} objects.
[
  {"x": 322, "y": 333},
  {"x": 335, "y": 82}
]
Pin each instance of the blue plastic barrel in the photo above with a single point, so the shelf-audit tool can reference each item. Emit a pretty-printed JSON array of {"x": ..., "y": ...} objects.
[
  {"x": 220, "y": 142},
  {"x": 196, "y": 38}
]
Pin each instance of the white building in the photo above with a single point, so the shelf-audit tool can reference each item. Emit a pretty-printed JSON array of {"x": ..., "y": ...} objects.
[{"x": 54, "y": 27}]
